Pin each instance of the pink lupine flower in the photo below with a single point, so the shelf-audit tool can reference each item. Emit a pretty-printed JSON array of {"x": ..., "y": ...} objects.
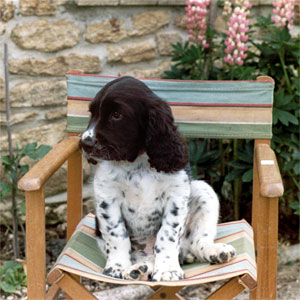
[
  {"x": 196, "y": 12},
  {"x": 283, "y": 13},
  {"x": 238, "y": 26}
]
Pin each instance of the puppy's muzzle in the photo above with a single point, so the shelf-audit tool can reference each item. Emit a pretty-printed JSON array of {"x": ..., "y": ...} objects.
[{"x": 88, "y": 144}]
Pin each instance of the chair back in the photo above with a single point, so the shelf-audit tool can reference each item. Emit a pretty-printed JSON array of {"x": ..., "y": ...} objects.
[{"x": 202, "y": 109}]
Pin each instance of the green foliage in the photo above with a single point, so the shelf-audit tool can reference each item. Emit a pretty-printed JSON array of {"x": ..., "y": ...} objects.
[
  {"x": 13, "y": 171},
  {"x": 12, "y": 277},
  {"x": 277, "y": 54},
  {"x": 242, "y": 167},
  {"x": 202, "y": 159},
  {"x": 13, "y": 168},
  {"x": 189, "y": 62}
]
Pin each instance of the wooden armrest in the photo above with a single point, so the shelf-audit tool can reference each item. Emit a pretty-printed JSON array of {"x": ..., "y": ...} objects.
[
  {"x": 268, "y": 172},
  {"x": 37, "y": 176}
]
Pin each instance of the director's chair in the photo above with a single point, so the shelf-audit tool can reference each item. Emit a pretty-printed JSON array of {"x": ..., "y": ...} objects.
[{"x": 204, "y": 109}]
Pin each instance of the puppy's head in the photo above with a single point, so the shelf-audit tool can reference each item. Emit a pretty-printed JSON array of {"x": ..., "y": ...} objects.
[{"x": 128, "y": 119}]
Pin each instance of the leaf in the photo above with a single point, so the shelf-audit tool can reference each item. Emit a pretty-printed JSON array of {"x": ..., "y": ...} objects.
[
  {"x": 297, "y": 168},
  {"x": 8, "y": 288},
  {"x": 248, "y": 176},
  {"x": 281, "y": 99},
  {"x": 295, "y": 206},
  {"x": 285, "y": 117},
  {"x": 5, "y": 189},
  {"x": 6, "y": 160},
  {"x": 42, "y": 151},
  {"x": 28, "y": 149},
  {"x": 233, "y": 175},
  {"x": 33, "y": 152},
  {"x": 239, "y": 165},
  {"x": 10, "y": 264},
  {"x": 24, "y": 169},
  {"x": 22, "y": 207}
]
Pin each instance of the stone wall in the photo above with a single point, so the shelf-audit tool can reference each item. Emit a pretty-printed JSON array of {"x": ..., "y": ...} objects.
[{"x": 46, "y": 38}]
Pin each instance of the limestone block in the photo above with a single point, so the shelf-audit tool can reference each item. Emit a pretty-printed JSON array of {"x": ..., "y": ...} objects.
[
  {"x": 38, "y": 7},
  {"x": 165, "y": 41},
  {"x": 57, "y": 66},
  {"x": 58, "y": 182},
  {"x": 2, "y": 89},
  {"x": 38, "y": 93},
  {"x": 96, "y": 2},
  {"x": 49, "y": 134},
  {"x": 156, "y": 72},
  {"x": 18, "y": 118},
  {"x": 133, "y": 52},
  {"x": 45, "y": 36},
  {"x": 56, "y": 114},
  {"x": 7, "y": 10},
  {"x": 138, "y": 2},
  {"x": 112, "y": 30},
  {"x": 179, "y": 21},
  {"x": 149, "y": 21}
]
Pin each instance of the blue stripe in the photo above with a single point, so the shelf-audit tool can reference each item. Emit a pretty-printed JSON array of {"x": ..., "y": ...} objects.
[{"x": 236, "y": 92}]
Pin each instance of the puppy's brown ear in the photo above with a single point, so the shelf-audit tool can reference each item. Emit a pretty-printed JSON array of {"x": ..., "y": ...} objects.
[{"x": 166, "y": 150}]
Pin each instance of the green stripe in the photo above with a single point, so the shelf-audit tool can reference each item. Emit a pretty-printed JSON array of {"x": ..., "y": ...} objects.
[
  {"x": 237, "y": 131},
  {"x": 87, "y": 247},
  {"x": 187, "y": 92},
  {"x": 193, "y": 130}
]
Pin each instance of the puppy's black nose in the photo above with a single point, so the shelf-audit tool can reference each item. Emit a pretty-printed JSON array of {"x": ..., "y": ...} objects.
[{"x": 87, "y": 144}]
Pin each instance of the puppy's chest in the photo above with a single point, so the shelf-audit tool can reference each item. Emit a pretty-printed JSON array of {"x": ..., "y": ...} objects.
[{"x": 142, "y": 202}]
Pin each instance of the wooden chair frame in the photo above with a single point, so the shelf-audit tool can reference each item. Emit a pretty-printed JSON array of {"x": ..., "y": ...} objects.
[{"x": 267, "y": 187}]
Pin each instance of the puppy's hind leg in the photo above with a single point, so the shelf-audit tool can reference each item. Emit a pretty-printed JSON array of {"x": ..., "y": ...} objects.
[{"x": 198, "y": 239}]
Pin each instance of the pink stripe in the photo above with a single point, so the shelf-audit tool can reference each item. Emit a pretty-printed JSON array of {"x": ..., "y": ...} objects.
[
  {"x": 79, "y": 98},
  {"x": 219, "y": 104},
  {"x": 234, "y": 222},
  {"x": 191, "y": 104},
  {"x": 228, "y": 235}
]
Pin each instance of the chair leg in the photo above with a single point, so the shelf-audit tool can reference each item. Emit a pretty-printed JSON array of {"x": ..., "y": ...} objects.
[
  {"x": 267, "y": 240},
  {"x": 52, "y": 292},
  {"x": 35, "y": 244},
  {"x": 73, "y": 288},
  {"x": 74, "y": 200},
  {"x": 167, "y": 292},
  {"x": 265, "y": 227},
  {"x": 227, "y": 291}
]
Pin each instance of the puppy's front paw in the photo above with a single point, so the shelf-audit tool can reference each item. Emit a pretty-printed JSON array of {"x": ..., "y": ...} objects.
[
  {"x": 116, "y": 270},
  {"x": 218, "y": 253},
  {"x": 169, "y": 273},
  {"x": 140, "y": 271}
]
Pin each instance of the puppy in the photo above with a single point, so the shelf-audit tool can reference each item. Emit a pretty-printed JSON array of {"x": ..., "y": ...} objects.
[{"x": 143, "y": 192}]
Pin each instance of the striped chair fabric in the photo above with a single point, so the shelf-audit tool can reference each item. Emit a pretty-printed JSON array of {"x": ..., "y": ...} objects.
[
  {"x": 244, "y": 107},
  {"x": 81, "y": 256}
]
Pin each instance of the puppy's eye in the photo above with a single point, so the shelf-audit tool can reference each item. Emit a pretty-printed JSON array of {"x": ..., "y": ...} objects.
[{"x": 116, "y": 115}]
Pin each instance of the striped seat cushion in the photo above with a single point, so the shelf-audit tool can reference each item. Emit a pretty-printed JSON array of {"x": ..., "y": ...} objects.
[
  {"x": 81, "y": 256},
  {"x": 208, "y": 109}
]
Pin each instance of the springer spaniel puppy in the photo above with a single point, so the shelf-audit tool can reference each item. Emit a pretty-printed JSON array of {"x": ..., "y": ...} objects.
[{"x": 142, "y": 190}]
